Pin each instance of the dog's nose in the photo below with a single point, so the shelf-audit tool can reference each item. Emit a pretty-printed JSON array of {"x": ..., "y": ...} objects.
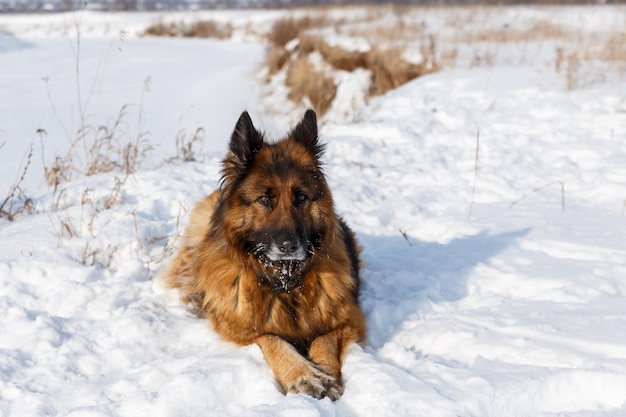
[
  {"x": 287, "y": 243},
  {"x": 287, "y": 246}
]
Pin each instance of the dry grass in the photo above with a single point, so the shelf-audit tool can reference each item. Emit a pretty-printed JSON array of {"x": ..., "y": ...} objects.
[
  {"x": 16, "y": 202},
  {"x": 613, "y": 49},
  {"x": 540, "y": 30},
  {"x": 287, "y": 29},
  {"x": 388, "y": 67},
  {"x": 293, "y": 38},
  {"x": 339, "y": 58},
  {"x": 304, "y": 81},
  {"x": 404, "y": 29},
  {"x": 199, "y": 29},
  {"x": 599, "y": 56},
  {"x": 188, "y": 147},
  {"x": 392, "y": 30},
  {"x": 163, "y": 29},
  {"x": 610, "y": 48},
  {"x": 99, "y": 149},
  {"x": 159, "y": 239},
  {"x": 582, "y": 56},
  {"x": 276, "y": 59},
  {"x": 390, "y": 70},
  {"x": 385, "y": 60}
]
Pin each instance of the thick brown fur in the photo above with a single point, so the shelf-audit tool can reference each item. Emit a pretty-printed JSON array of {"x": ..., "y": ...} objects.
[{"x": 267, "y": 261}]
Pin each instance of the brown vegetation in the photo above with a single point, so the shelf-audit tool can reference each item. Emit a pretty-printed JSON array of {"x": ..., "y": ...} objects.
[
  {"x": 390, "y": 70},
  {"x": 538, "y": 31},
  {"x": 104, "y": 151},
  {"x": 391, "y": 31},
  {"x": 304, "y": 80},
  {"x": 290, "y": 28},
  {"x": 199, "y": 29},
  {"x": 387, "y": 64},
  {"x": 16, "y": 201},
  {"x": 592, "y": 61}
]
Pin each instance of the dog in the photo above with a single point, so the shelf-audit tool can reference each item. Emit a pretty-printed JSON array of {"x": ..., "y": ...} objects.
[{"x": 268, "y": 261}]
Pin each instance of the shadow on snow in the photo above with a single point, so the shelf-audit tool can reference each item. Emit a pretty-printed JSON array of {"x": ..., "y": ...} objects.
[{"x": 402, "y": 275}]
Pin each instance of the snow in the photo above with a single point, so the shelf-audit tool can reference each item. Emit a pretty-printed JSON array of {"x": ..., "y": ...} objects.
[{"x": 490, "y": 203}]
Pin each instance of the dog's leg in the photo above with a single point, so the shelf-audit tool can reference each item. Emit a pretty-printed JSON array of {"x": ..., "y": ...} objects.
[
  {"x": 328, "y": 352},
  {"x": 294, "y": 372}
]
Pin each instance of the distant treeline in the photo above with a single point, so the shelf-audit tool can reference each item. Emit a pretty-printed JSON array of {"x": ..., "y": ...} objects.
[{"x": 140, "y": 5}]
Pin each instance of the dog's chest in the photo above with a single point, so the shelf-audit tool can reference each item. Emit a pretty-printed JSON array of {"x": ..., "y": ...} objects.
[{"x": 294, "y": 314}]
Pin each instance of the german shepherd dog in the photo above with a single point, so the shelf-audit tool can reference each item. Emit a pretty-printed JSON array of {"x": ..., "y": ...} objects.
[{"x": 267, "y": 261}]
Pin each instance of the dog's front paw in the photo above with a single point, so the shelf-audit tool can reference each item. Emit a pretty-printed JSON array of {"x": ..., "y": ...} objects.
[
  {"x": 297, "y": 374},
  {"x": 335, "y": 391},
  {"x": 314, "y": 382}
]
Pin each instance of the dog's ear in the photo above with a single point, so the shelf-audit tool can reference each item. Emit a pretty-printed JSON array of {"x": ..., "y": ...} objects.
[
  {"x": 306, "y": 134},
  {"x": 245, "y": 142}
]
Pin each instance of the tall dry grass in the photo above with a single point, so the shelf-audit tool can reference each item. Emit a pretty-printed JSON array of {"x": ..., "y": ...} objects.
[
  {"x": 540, "y": 30},
  {"x": 304, "y": 81},
  {"x": 582, "y": 56},
  {"x": 16, "y": 202},
  {"x": 97, "y": 149},
  {"x": 294, "y": 40},
  {"x": 451, "y": 36},
  {"x": 287, "y": 29},
  {"x": 197, "y": 29}
]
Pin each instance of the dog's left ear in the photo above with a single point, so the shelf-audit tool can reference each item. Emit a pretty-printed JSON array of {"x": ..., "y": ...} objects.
[{"x": 305, "y": 133}]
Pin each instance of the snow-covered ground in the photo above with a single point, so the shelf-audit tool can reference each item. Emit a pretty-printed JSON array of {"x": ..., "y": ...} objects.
[{"x": 490, "y": 202}]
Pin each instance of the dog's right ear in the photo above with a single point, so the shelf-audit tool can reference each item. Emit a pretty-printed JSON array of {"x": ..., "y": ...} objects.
[
  {"x": 306, "y": 134},
  {"x": 245, "y": 142}
]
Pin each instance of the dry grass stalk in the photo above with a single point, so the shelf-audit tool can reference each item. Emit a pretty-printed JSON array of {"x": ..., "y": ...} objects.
[
  {"x": 572, "y": 70},
  {"x": 536, "y": 190},
  {"x": 115, "y": 192},
  {"x": 97, "y": 256},
  {"x": 146, "y": 244},
  {"x": 15, "y": 201},
  {"x": 67, "y": 227},
  {"x": 188, "y": 148}
]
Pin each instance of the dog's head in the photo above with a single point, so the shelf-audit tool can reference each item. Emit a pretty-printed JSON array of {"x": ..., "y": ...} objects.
[{"x": 275, "y": 203}]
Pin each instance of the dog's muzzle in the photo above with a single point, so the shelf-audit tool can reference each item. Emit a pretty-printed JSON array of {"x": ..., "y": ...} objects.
[{"x": 286, "y": 248}]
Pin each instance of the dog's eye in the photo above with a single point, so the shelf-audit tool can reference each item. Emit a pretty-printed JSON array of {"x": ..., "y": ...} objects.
[
  {"x": 264, "y": 200},
  {"x": 301, "y": 198}
]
